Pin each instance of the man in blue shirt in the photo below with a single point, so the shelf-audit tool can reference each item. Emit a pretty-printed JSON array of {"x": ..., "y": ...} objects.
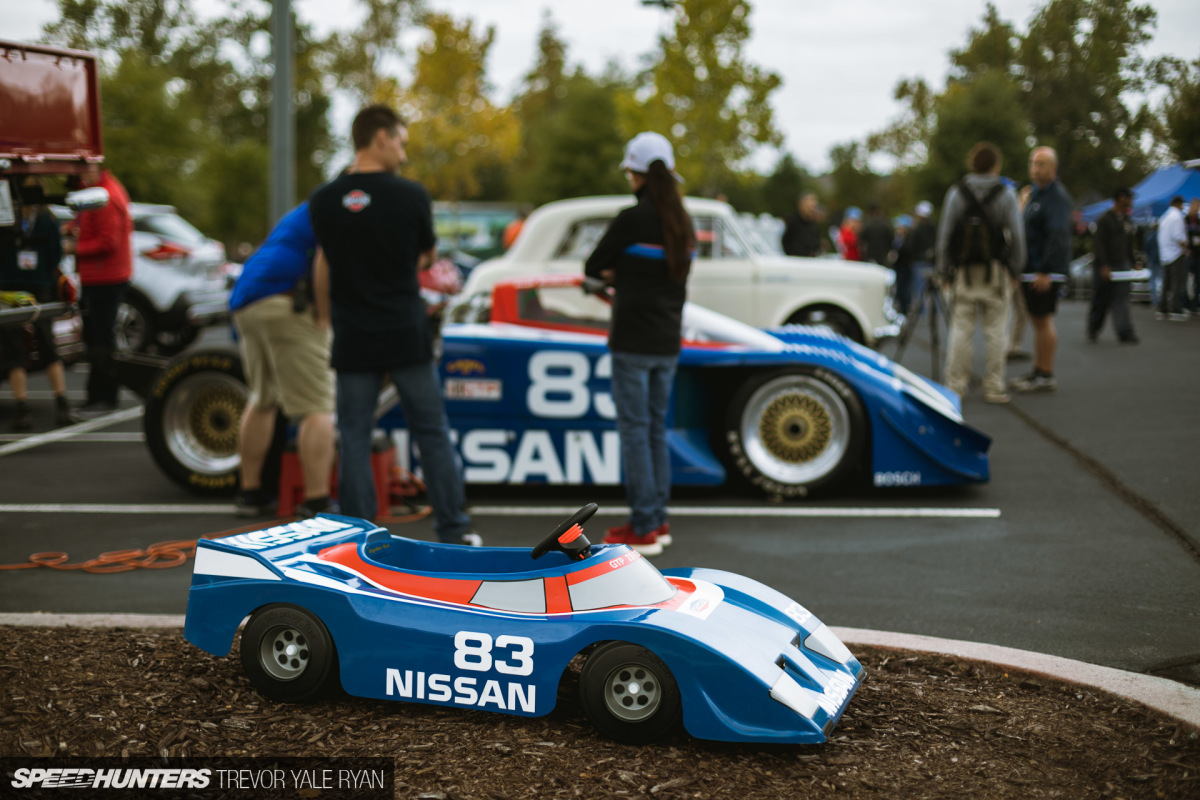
[
  {"x": 285, "y": 351},
  {"x": 1048, "y": 244}
]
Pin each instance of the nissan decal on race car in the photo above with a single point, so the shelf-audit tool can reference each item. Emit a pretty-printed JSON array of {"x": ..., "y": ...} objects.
[{"x": 336, "y": 601}]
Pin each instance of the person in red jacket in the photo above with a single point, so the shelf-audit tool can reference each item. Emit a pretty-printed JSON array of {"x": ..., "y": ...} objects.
[{"x": 104, "y": 262}]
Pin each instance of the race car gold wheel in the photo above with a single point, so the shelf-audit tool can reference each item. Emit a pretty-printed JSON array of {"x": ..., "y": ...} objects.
[
  {"x": 193, "y": 410},
  {"x": 795, "y": 431},
  {"x": 288, "y": 655},
  {"x": 629, "y": 694}
]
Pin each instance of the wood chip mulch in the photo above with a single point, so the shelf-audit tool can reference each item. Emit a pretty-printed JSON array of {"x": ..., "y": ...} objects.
[{"x": 921, "y": 726}]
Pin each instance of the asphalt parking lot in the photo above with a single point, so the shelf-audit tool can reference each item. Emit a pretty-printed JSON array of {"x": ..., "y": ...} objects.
[{"x": 1085, "y": 544}]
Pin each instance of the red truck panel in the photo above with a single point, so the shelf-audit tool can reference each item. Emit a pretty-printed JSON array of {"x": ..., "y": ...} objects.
[{"x": 49, "y": 109}]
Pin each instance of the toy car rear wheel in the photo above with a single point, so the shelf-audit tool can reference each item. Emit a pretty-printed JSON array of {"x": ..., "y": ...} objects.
[
  {"x": 288, "y": 654},
  {"x": 629, "y": 694},
  {"x": 794, "y": 432},
  {"x": 193, "y": 411}
]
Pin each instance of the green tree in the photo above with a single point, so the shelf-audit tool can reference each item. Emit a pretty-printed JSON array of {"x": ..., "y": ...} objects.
[
  {"x": 457, "y": 132},
  {"x": 781, "y": 190},
  {"x": 1079, "y": 60},
  {"x": 852, "y": 183},
  {"x": 1180, "y": 111},
  {"x": 361, "y": 59},
  {"x": 576, "y": 146},
  {"x": 706, "y": 96},
  {"x": 966, "y": 114},
  {"x": 991, "y": 47},
  {"x": 149, "y": 140},
  {"x": 185, "y": 106},
  {"x": 906, "y": 139}
]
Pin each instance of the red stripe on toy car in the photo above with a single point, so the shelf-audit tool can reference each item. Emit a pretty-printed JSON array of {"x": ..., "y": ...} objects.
[
  {"x": 450, "y": 590},
  {"x": 601, "y": 569},
  {"x": 558, "y": 599}
]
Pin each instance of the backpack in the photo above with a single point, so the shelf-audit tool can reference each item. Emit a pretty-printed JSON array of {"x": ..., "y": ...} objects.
[{"x": 975, "y": 238}]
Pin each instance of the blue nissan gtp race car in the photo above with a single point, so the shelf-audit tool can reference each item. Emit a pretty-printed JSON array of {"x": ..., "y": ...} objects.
[
  {"x": 338, "y": 601},
  {"x": 526, "y": 374}
]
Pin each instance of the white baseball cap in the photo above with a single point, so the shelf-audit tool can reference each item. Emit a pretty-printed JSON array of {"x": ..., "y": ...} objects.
[
  {"x": 646, "y": 148},
  {"x": 924, "y": 209}
]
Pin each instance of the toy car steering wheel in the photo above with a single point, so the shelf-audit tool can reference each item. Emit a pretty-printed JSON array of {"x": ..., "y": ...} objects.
[{"x": 568, "y": 536}]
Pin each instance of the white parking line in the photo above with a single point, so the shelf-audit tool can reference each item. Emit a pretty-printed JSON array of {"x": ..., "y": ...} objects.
[
  {"x": 748, "y": 511},
  {"x": 39, "y": 439},
  {"x": 532, "y": 511},
  {"x": 92, "y": 438}
]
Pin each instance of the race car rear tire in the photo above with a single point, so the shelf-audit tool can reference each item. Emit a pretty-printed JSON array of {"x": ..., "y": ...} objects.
[
  {"x": 193, "y": 410},
  {"x": 795, "y": 432},
  {"x": 288, "y": 654},
  {"x": 629, "y": 694}
]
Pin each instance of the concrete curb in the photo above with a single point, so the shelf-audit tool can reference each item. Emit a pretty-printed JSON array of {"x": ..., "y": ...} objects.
[
  {"x": 1174, "y": 699},
  {"x": 1171, "y": 698}
]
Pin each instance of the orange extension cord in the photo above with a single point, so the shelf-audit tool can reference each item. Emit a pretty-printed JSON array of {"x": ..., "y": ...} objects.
[{"x": 163, "y": 555}]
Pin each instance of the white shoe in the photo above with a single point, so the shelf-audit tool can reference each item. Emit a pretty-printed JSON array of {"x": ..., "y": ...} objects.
[{"x": 472, "y": 539}]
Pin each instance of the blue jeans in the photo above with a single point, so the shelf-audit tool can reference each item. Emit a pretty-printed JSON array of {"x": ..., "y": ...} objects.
[
  {"x": 641, "y": 387},
  {"x": 421, "y": 398}
]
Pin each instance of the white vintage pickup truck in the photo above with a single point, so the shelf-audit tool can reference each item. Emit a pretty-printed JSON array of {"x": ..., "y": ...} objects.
[{"x": 733, "y": 273}]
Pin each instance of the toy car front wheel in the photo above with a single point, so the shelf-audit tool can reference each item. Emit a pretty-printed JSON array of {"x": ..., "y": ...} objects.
[
  {"x": 288, "y": 655},
  {"x": 796, "y": 431},
  {"x": 629, "y": 694}
]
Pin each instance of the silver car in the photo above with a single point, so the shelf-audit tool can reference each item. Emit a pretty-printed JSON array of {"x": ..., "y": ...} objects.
[{"x": 180, "y": 284}]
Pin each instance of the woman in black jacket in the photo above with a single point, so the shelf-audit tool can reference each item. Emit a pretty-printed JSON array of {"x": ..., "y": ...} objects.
[{"x": 646, "y": 255}]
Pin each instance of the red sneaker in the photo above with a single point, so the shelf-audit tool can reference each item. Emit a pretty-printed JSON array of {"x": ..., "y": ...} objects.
[
  {"x": 647, "y": 545},
  {"x": 663, "y": 532}
]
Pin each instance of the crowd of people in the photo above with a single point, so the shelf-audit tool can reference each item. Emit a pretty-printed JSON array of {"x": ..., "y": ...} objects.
[
  {"x": 329, "y": 307},
  {"x": 999, "y": 258}
]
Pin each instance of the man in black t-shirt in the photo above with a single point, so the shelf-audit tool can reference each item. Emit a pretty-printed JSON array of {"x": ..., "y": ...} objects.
[{"x": 375, "y": 231}]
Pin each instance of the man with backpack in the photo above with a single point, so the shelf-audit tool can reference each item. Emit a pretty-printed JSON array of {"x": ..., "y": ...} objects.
[{"x": 980, "y": 251}]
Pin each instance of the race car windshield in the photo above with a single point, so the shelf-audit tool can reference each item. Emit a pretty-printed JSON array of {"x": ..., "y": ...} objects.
[{"x": 635, "y": 582}]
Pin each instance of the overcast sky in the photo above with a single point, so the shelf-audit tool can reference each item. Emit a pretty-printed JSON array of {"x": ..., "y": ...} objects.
[{"x": 839, "y": 59}]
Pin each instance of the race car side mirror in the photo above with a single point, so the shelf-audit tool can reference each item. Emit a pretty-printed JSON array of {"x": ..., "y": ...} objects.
[{"x": 88, "y": 199}]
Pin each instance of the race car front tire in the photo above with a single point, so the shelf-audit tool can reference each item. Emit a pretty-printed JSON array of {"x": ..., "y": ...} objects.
[
  {"x": 193, "y": 411},
  {"x": 288, "y": 654},
  {"x": 795, "y": 432},
  {"x": 629, "y": 694}
]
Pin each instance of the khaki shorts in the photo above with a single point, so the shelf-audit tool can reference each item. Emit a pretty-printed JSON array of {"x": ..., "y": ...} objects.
[{"x": 286, "y": 358}]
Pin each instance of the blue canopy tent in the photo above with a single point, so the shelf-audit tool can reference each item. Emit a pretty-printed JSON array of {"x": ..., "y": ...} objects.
[{"x": 1152, "y": 196}]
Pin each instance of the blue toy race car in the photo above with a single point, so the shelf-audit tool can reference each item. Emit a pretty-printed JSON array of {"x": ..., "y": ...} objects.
[{"x": 335, "y": 600}]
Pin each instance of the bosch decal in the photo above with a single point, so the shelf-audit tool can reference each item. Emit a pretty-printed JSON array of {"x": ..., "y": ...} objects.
[{"x": 897, "y": 478}]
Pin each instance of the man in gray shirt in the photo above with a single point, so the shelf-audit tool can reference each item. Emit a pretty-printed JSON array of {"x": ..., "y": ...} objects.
[{"x": 980, "y": 250}]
